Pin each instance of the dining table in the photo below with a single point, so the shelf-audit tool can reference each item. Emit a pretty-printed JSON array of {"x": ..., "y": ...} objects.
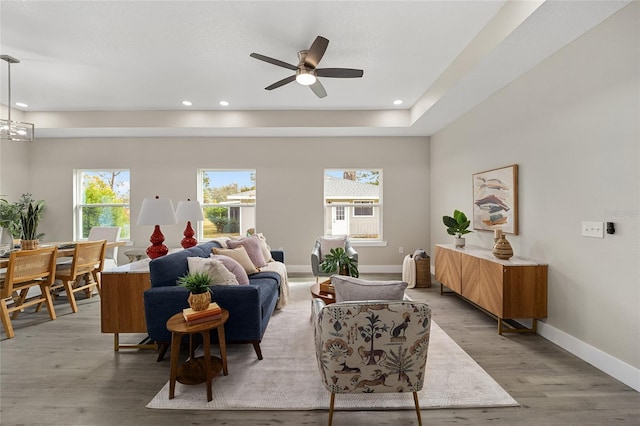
[{"x": 65, "y": 249}]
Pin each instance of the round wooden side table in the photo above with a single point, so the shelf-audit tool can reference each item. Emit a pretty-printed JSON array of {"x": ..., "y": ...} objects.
[
  {"x": 328, "y": 298},
  {"x": 190, "y": 373}
]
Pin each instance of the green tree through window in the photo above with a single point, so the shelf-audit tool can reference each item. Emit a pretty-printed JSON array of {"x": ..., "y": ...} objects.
[
  {"x": 228, "y": 201},
  {"x": 104, "y": 201}
]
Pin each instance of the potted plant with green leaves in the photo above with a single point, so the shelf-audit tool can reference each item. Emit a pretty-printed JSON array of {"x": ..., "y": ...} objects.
[
  {"x": 457, "y": 225},
  {"x": 10, "y": 227},
  {"x": 29, "y": 219},
  {"x": 198, "y": 285},
  {"x": 337, "y": 261}
]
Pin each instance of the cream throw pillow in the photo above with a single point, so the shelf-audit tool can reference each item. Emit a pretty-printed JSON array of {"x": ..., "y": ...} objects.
[
  {"x": 240, "y": 255},
  {"x": 266, "y": 250},
  {"x": 328, "y": 243},
  {"x": 216, "y": 270}
]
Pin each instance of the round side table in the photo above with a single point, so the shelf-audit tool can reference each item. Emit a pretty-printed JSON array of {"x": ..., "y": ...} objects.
[
  {"x": 328, "y": 298},
  {"x": 190, "y": 372}
]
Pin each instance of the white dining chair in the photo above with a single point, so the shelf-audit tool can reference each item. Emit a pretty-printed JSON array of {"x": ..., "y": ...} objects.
[{"x": 109, "y": 233}]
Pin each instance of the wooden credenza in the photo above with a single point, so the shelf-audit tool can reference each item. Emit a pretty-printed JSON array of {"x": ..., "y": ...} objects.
[
  {"x": 122, "y": 302},
  {"x": 507, "y": 289}
]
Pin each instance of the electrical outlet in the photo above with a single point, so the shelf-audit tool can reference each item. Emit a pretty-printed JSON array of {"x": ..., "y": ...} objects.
[
  {"x": 593, "y": 229},
  {"x": 401, "y": 250}
]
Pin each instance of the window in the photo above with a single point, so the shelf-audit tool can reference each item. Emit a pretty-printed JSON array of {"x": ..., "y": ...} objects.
[
  {"x": 101, "y": 198},
  {"x": 363, "y": 210},
  {"x": 228, "y": 200},
  {"x": 353, "y": 203}
]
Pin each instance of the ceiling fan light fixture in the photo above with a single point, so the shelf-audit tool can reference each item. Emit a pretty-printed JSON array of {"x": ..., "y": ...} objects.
[{"x": 305, "y": 77}]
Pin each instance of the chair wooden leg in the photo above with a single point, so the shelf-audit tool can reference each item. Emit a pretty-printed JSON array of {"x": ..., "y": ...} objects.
[
  {"x": 333, "y": 399},
  {"x": 19, "y": 302},
  {"x": 6, "y": 321},
  {"x": 97, "y": 278},
  {"x": 46, "y": 293},
  {"x": 415, "y": 400},
  {"x": 68, "y": 288}
]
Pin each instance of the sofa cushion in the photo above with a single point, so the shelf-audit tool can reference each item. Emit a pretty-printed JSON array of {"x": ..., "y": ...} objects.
[
  {"x": 355, "y": 289},
  {"x": 234, "y": 267},
  {"x": 239, "y": 254},
  {"x": 268, "y": 285},
  {"x": 253, "y": 246},
  {"x": 218, "y": 273},
  {"x": 328, "y": 243}
]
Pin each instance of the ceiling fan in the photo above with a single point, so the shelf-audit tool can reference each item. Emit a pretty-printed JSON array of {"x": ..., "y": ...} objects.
[{"x": 307, "y": 71}]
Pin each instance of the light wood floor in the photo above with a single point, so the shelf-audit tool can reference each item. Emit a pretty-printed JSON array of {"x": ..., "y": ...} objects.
[{"x": 65, "y": 372}]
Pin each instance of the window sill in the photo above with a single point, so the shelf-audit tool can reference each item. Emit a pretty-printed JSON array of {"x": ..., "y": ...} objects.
[{"x": 377, "y": 243}]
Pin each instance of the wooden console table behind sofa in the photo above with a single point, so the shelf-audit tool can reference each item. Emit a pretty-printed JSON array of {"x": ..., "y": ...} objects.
[{"x": 507, "y": 289}]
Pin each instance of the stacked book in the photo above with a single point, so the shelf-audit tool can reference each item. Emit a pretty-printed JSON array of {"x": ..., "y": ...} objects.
[{"x": 213, "y": 312}]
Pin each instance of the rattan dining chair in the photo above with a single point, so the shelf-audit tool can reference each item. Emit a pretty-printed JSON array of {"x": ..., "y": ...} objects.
[
  {"x": 87, "y": 264},
  {"x": 26, "y": 269}
]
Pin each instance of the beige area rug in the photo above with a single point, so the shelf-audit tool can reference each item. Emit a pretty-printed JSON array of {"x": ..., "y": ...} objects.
[{"x": 288, "y": 377}]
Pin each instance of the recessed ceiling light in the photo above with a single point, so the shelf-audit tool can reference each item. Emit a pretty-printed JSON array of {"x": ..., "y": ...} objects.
[
  {"x": 186, "y": 103},
  {"x": 224, "y": 103},
  {"x": 21, "y": 104},
  {"x": 397, "y": 102}
]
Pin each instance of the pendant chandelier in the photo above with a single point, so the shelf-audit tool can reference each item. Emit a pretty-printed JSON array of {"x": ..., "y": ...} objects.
[{"x": 13, "y": 130}]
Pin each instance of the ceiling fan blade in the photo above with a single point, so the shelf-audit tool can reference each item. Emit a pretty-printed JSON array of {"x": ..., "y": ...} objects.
[
  {"x": 316, "y": 52},
  {"x": 318, "y": 89},
  {"x": 339, "y": 72},
  {"x": 281, "y": 82},
  {"x": 273, "y": 61}
]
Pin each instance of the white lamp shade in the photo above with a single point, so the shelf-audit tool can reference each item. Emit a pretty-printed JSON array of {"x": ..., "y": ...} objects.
[
  {"x": 157, "y": 211},
  {"x": 189, "y": 211}
]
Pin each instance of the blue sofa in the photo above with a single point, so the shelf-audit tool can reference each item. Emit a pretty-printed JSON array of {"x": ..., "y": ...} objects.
[{"x": 250, "y": 306}]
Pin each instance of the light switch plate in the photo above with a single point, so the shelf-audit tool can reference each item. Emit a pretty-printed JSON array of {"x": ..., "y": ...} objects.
[{"x": 593, "y": 229}]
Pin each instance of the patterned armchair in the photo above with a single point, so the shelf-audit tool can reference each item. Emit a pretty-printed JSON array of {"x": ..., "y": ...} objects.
[{"x": 373, "y": 347}]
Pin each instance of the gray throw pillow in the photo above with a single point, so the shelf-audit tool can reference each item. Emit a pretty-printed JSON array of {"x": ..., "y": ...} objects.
[{"x": 354, "y": 289}]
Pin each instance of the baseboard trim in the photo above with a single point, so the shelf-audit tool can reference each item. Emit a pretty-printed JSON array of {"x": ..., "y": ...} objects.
[{"x": 614, "y": 367}]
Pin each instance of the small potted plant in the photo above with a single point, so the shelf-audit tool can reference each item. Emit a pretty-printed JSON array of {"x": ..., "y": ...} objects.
[
  {"x": 29, "y": 218},
  {"x": 457, "y": 225},
  {"x": 200, "y": 293},
  {"x": 338, "y": 261}
]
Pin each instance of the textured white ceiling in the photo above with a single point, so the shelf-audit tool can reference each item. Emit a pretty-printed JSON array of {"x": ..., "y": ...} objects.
[{"x": 148, "y": 56}]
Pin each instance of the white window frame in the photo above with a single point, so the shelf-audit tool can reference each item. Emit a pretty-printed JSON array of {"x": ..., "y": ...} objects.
[
  {"x": 351, "y": 206},
  {"x": 200, "y": 189},
  {"x": 78, "y": 205}
]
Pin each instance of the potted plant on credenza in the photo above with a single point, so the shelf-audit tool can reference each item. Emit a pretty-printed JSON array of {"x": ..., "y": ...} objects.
[{"x": 457, "y": 225}]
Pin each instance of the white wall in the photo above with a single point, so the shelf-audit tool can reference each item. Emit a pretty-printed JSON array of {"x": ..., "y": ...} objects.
[
  {"x": 289, "y": 185},
  {"x": 15, "y": 169},
  {"x": 571, "y": 124}
]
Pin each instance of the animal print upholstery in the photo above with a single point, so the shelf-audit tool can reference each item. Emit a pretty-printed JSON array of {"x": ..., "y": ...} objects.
[{"x": 373, "y": 346}]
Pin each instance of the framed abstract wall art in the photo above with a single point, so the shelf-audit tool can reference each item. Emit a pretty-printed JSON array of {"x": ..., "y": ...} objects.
[{"x": 495, "y": 200}]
